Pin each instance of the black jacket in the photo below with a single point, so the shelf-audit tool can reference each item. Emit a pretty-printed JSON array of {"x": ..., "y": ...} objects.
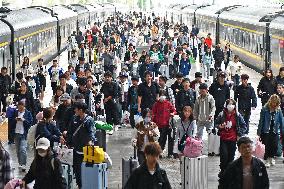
[
  {"x": 220, "y": 93},
  {"x": 245, "y": 96},
  {"x": 267, "y": 87},
  {"x": 47, "y": 173},
  {"x": 218, "y": 55},
  {"x": 142, "y": 179},
  {"x": 233, "y": 175},
  {"x": 5, "y": 84},
  {"x": 176, "y": 86},
  {"x": 185, "y": 98},
  {"x": 279, "y": 80}
]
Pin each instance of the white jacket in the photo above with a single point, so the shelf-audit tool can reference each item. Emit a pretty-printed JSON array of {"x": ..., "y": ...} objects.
[{"x": 234, "y": 68}]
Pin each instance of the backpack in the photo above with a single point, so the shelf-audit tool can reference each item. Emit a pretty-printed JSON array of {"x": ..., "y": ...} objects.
[
  {"x": 31, "y": 137},
  {"x": 193, "y": 147}
]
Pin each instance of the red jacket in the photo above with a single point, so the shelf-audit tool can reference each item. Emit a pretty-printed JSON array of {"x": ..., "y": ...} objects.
[
  {"x": 229, "y": 133},
  {"x": 161, "y": 113},
  {"x": 208, "y": 42}
]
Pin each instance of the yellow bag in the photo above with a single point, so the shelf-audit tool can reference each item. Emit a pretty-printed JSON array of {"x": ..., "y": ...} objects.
[{"x": 93, "y": 154}]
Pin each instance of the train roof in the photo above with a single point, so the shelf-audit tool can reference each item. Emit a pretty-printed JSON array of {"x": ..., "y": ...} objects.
[
  {"x": 4, "y": 29},
  {"x": 80, "y": 9},
  {"x": 247, "y": 15},
  {"x": 210, "y": 10},
  {"x": 27, "y": 17},
  {"x": 90, "y": 8},
  {"x": 191, "y": 8},
  {"x": 278, "y": 23},
  {"x": 63, "y": 12}
]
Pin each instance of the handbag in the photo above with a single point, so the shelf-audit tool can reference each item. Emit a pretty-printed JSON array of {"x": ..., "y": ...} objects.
[{"x": 93, "y": 154}]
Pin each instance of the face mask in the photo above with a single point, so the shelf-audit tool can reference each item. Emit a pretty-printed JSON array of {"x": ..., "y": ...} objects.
[
  {"x": 43, "y": 154},
  {"x": 162, "y": 98},
  {"x": 147, "y": 120},
  {"x": 230, "y": 107}
]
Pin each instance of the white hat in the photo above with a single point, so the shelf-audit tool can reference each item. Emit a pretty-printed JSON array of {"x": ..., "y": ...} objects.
[{"x": 43, "y": 143}]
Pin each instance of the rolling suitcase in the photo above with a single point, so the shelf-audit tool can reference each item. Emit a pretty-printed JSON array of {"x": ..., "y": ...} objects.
[
  {"x": 194, "y": 172},
  {"x": 213, "y": 143},
  {"x": 128, "y": 166},
  {"x": 94, "y": 176},
  {"x": 67, "y": 173},
  {"x": 101, "y": 139}
]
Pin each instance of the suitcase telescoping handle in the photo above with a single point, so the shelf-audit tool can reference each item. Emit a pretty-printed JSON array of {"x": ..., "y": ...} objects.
[{"x": 135, "y": 152}]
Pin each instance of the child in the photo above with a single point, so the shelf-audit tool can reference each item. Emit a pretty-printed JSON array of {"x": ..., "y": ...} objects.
[
  {"x": 147, "y": 131},
  {"x": 185, "y": 65},
  {"x": 186, "y": 127},
  {"x": 161, "y": 112}
]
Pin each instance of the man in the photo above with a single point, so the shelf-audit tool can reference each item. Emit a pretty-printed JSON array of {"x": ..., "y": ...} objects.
[
  {"x": 234, "y": 69},
  {"x": 177, "y": 85},
  {"x": 5, "y": 84},
  {"x": 194, "y": 30},
  {"x": 169, "y": 92},
  {"x": 148, "y": 92},
  {"x": 198, "y": 80},
  {"x": 147, "y": 66},
  {"x": 246, "y": 172},
  {"x": 132, "y": 99},
  {"x": 194, "y": 45},
  {"x": 81, "y": 89},
  {"x": 202, "y": 48},
  {"x": 73, "y": 61},
  {"x": 246, "y": 98},
  {"x": 111, "y": 91},
  {"x": 82, "y": 66},
  {"x": 218, "y": 56},
  {"x": 54, "y": 72},
  {"x": 82, "y": 51},
  {"x": 41, "y": 74},
  {"x": 280, "y": 78},
  {"x": 108, "y": 61},
  {"x": 220, "y": 92},
  {"x": 185, "y": 97},
  {"x": 80, "y": 134},
  {"x": 204, "y": 110},
  {"x": 63, "y": 83}
]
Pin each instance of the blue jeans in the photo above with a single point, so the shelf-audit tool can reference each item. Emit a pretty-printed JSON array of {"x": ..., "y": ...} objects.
[{"x": 21, "y": 148}]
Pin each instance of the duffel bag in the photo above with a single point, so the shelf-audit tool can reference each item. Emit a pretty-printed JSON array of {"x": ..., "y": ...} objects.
[{"x": 93, "y": 154}]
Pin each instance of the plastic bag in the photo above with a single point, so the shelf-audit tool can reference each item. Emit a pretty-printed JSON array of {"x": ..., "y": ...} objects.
[
  {"x": 259, "y": 149},
  {"x": 138, "y": 118},
  {"x": 103, "y": 126}
]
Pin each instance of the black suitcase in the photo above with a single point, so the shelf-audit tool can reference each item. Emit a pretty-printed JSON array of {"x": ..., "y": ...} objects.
[
  {"x": 101, "y": 139},
  {"x": 128, "y": 166}
]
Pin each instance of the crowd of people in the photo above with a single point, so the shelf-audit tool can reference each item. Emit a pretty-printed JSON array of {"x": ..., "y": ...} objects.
[{"x": 108, "y": 77}]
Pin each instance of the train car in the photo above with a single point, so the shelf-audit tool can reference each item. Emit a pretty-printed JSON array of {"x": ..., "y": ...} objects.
[
  {"x": 277, "y": 41},
  {"x": 83, "y": 19},
  {"x": 93, "y": 14},
  {"x": 241, "y": 28},
  {"x": 33, "y": 34},
  {"x": 206, "y": 20},
  {"x": 5, "y": 39},
  {"x": 67, "y": 20},
  {"x": 188, "y": 13}
]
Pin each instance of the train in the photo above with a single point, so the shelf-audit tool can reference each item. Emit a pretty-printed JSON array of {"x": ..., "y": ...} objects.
[
  {"x": 255, "y": 34},
  {"x": 42, "y": 32}
]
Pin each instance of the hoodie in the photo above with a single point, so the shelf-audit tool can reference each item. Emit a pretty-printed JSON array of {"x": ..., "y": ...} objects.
[
  {"x": 161, "y": 113},
  {"x": 204, "y": 107}
]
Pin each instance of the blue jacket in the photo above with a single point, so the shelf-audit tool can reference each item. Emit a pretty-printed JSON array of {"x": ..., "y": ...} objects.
[
  {"x": 265, "y": 119},
  {"x": 184, "y": 66},
  {"x": 28, "y": 121},
  {"x": 49, "y": 131}
]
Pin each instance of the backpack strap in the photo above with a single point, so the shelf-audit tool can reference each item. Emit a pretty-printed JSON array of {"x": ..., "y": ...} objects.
[{"x": 52, "y": 163}]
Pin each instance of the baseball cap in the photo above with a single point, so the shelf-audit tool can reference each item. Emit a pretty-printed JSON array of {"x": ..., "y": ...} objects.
[
  {"x": 135, "y": 78},
  {"x": 222, "y": 74},
  {"x": 65, "y": 96},
  {"x": 203, "y": 86},
  {"x": 43, "y": 143}
]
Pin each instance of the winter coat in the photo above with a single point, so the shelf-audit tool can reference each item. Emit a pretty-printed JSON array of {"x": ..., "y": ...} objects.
[
  {"x": 142, "y": 179},
  {"x": 142, "y": 130},
  {"x": 204, "y": 107},
  {"x": 265, "y": 121},
  {"x": 184, "y": 66},
  {"x": 233, "y": 175},
  {"x": 47, "y": 173},
  {"x": 5, "y": 84},
  {"x": 220, "y": 93},
  {"x": 241, "y": 126},
  {"x": 176, "y": 86},
  {"x": 161, "y": 113},
  {"x": 218, "y": 55},
  {"x": 279, "y": 80},
  {"x": 267, "y": 87},
  {"x": 245, "y": 96}
]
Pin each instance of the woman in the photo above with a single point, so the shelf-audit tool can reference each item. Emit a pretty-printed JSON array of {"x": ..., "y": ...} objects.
[
  {"x": 231, "y": 125},
  {"x": 270, "y": 124},
  {"x": 207, "y": 61},
  {"x": 25, "y": 66},
  {"x": 5, "y": 167},
  {"x": 46, "y": 169},
  {"x": 266, "y": 86},
  {"x": 46, "y": 128},
  {"x": 186, "y": 127},
  {"x": 149, "y": 175},
  {"x": 147, "y": 131},
  {"x": 56, "y": 98},
  {"x": 26, "y": 95}
]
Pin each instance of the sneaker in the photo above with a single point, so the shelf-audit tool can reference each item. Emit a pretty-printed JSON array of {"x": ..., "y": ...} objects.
[
  {"x": 272, "y": 161},
  {"x": 267, "y": 163}
]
